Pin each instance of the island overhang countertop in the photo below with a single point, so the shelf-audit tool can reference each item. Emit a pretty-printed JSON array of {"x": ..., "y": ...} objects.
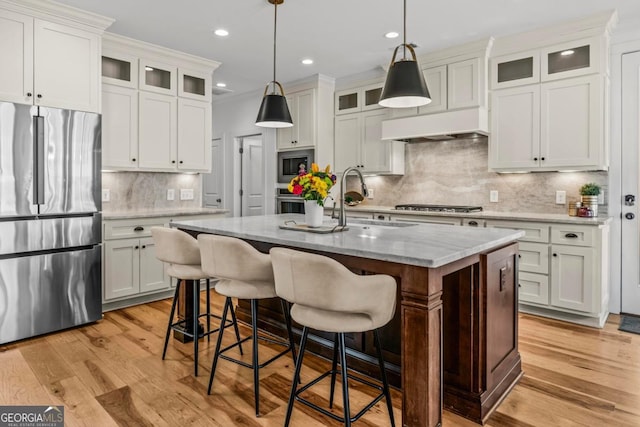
[{"x": 425, "y": 245}]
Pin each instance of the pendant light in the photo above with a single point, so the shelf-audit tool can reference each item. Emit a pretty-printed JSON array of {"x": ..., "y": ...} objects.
[
  {"x": 405, "y": 86},
  {"x": 274, "y": 112}
]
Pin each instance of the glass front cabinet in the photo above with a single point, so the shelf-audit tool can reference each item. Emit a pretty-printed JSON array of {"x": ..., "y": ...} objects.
[{"x": 358, "y": 99}]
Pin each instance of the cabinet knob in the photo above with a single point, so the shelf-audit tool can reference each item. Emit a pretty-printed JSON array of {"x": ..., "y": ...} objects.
[
  {"x": 181, "y": 162},
  {"x": 219, "y": 200},
  {"x": 519, "y": 255},
  {"x": 629, "y": 215},
  {"x": 542, "y": 158},
  {"x": 29, "y": 94},
  {"x": 136, "y": 247},
  {"x": 173, "y": 161},
  {"x": 555, "y": 254},
  {"x": 133, "y": 160},
  {"x": 535, "y": 159},
  {"x": 144, "y": 246},
  {"x": 39, "y": 95}
]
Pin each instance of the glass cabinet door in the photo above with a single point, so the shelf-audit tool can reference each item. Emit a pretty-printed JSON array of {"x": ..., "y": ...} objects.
[
  {"x": 347, "y": 101},
  {"x": 194, "y": 85},
  {"x": 371, "y": 96},
  {"x": 571, "y": 59},
  {"x": 120, "y": 70},
  {"x": 157, "y": 77},
  {"x": 515, "y": 70}
]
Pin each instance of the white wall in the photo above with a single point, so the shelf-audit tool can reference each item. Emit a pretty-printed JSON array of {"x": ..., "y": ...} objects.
[{"x": 234, "y": 117}]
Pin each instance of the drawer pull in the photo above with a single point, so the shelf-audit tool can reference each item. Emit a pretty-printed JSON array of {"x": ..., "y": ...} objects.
[
  {"x": 519, "y": 255},
  {"x": 138, "y": 228},
  {"x": 571, "y": 236},
  {"x": 473, "y": 223}
]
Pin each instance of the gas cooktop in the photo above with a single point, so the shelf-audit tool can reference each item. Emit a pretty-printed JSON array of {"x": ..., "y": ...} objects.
[{"x": 438, "y": 208}]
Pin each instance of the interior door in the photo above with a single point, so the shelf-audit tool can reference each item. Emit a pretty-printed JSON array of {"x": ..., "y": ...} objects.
[
  {"x": 252, "y": 171},
  {"x": 630, "y": 164},
  {"x": 213, "y": 183}
]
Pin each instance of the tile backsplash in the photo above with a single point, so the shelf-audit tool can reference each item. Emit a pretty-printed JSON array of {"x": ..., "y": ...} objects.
[
  {"x": 456, "y": 172},
  {"x": 148, "y": 190}
]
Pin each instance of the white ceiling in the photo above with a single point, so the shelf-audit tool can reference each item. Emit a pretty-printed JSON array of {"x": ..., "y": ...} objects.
[{"x": 343, "y": 37}]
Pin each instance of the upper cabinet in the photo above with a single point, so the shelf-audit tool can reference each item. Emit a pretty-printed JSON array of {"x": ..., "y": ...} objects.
[
  {"x": 358, "y": 99},
  {"x": 302, "y": 107},
  {"x": 156, "y": 108},
  {"x": 50, "y": 60},
  {"x": 549, "y": 105}
]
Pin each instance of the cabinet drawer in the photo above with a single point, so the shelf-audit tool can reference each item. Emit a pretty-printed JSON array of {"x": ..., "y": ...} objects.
[
  {"x": 533, "y": 288},
  {"x": 573, "y": 235},
  {"x": 533, "y": 257},
  {"x": 533, "y": 232},
  {"x": 426, "y": 219},
  {"x": 116, "y": 230}
]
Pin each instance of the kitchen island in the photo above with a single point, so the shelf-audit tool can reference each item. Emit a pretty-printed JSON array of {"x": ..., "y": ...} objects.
[{"x": 457, "y": 297}]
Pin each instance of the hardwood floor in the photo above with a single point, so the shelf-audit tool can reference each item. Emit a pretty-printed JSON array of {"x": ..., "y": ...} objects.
[{"x": 111, "y": 374}]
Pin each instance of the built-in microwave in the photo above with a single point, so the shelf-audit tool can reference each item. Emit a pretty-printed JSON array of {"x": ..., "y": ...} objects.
[{"x": 290, "y": 162}]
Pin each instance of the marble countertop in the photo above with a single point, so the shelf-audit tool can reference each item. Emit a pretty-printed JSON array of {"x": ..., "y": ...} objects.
[
  {"x": 155, "y": 213},
  {"x": 507, "y": 216},
  {"x": 426, "y": 245}
]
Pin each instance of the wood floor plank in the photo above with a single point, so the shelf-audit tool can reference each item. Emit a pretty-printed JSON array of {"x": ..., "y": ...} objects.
[{"x": 111, "y": 373}]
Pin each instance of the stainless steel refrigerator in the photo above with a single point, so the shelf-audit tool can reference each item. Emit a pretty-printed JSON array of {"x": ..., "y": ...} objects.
[{"x": 50, "y": 220}]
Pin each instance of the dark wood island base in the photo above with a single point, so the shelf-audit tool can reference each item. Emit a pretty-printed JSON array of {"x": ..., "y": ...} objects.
[{"x": 458, "y": 347}]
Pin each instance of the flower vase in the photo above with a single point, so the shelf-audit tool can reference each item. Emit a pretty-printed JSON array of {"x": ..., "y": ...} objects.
[{"x": 313, "y": 213}]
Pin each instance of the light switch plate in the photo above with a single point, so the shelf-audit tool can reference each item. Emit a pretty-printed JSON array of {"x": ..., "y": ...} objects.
[
  {"x": 370, "y": 193},
  {"x": 561, "y": 197},
  {"x": 186, "y": 194},
  {"x": 106, "y": 195},
  {"x": 493, "y": 196},
  {"x": 171, "y": 194}
]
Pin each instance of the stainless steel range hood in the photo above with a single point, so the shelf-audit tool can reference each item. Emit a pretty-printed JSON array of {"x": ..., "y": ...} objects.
[{"x": 456, "y": 124}]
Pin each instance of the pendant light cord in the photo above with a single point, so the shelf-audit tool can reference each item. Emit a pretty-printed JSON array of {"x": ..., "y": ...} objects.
[
  {"x": 404, "y": 31},
  {"x": 275, "y": 27}
]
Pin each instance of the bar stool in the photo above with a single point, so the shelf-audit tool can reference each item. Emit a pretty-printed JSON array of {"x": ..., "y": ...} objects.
[
  {"x": 181, "y": 253},
  {"x": 244, "y": 273},
  {"x": 326, "y": 296}
]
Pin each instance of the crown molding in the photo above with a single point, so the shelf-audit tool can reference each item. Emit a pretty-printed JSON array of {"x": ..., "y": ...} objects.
[{"x": 59, "y": 13}]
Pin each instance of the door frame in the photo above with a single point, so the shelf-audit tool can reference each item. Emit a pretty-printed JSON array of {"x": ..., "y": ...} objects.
[{"x": 615, "y": 168}]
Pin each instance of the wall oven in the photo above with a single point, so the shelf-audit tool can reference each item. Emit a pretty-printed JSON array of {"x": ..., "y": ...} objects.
[
  {"x": 287, "y": 202},
  {"x": 289, "y": 163}
]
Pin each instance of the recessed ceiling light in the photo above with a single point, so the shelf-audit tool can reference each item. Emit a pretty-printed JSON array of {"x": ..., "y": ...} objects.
[
  {"x": 391, "y": 35},
  {"x": 221, "y": 32},
  {"x": 221, "y": 84},
  {"x": 307, "y": 61},
  {"x": 567, "y": 52}
]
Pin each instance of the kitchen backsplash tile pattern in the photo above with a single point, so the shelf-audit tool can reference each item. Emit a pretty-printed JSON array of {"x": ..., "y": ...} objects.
[
  {"x": 455, "y": 172},
  {"x": 148, "y": 190}
]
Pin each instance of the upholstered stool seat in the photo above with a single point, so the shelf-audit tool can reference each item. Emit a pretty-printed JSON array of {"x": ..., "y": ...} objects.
[
  {"x": 244, "y": 273},
  {"x": 326, "y": 296},
  {"x": 181, "y": 254}
]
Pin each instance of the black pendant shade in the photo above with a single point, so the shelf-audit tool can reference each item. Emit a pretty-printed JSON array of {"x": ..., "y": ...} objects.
[
  {"x": 274, "y": 112},
  {"x": 405, "y": 86}
]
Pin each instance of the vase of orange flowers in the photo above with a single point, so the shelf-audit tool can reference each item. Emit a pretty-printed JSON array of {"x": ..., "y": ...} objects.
[{"x": 313, "y": 187}]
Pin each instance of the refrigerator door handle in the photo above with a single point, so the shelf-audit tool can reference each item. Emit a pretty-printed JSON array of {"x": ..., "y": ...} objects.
[{"x": 38, "y": 160}]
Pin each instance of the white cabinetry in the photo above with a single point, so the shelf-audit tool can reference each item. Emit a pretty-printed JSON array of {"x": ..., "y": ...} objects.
[
  {"x": 52, "y": 64},
  {"x": 464, "y": 84},
  {"x": 168, "y": 128},
  {"x": 131, "y": 272},
  {"x": 358, "y": 143},
  {"x": 563, "y": 270},
  {"x": 426, "y": 219},
  {"x": 302, "y": 106},
  {"x": 358, "y": 99},
  {"x": 436, "y": 79}
]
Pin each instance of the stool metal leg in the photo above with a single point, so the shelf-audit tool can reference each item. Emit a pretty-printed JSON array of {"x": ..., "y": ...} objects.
[
  {"x": 345, "y": 382},
  {"x": 334, "y": 367},
  {"x": 256, "y": 369},
  {"x": 296, "y": 376},
  {"x": 216, "y": 353},
  {"x": 383, "y": 376},
  {"x": 173, "y": 310},
  {"x": 208, "y": 310},
  {"x": 287, "y": 320},
  {"x": 235, "y": 327},
  {"x": 196, "y": 316}
]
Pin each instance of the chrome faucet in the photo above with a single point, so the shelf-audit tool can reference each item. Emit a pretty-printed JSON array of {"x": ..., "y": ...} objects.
[{"x": 342, "y": 218}]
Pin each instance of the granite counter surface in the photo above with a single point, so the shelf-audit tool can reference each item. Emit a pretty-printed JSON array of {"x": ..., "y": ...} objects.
[
  {"x": 426, "y": 245},
  {"x": 506, "y": 216},
  {"x": 156, "y": 213}
]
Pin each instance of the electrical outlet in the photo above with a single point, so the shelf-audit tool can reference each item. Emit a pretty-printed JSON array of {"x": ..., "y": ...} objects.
[
  {"x": 186, "y": 194},
  {"x": 106, "y": 194},
  {"x": 370, "y": 193},
  {"x": 171, "y": 194},
  {"x": 493, "y": 196},
  {"x": 561, "y": 197}
]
